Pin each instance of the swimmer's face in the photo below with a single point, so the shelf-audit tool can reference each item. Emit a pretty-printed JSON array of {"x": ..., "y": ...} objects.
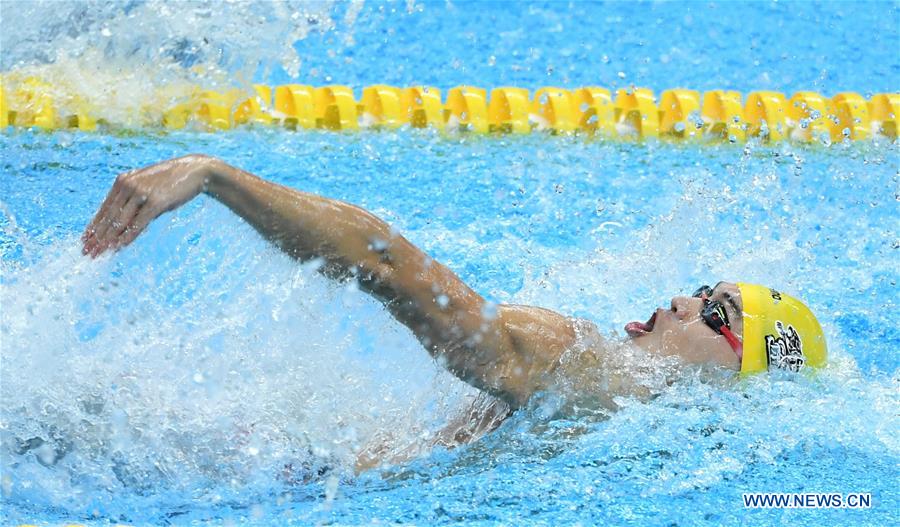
[{"x": 681, "y": 330}]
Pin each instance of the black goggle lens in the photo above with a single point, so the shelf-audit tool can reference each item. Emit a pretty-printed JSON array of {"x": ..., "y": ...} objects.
[
  {"x": 713, "y": 312},
  {"x": 703, "y": 290}
]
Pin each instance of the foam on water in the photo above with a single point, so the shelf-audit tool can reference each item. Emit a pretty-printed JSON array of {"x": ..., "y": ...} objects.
[
  {"x": 207, "y": 373},
  {"x": 130, "y": 60},
  {"x": 199, "y": 365},
  {"x": 201, "y": 375}
]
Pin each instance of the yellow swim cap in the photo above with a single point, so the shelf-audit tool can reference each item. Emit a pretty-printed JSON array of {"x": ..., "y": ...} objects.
[{"x": 779, "y": 332}]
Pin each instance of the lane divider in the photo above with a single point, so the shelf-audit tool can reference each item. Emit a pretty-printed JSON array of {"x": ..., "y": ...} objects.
[
  {"x": 679, "y": 112},
  {"x": 723, "y": 115},
  {"x": 636, "y": 113},
  {"x": 508, "y": 111},
  {"x": 884, "y": 110},
  {"x": 633, "y": 114},
  {"x": 466, "y": 110},
  {"x": 423, "y": 106},
  {"x": 596, "y": 111},
  {"x": 765, "y": 115}
]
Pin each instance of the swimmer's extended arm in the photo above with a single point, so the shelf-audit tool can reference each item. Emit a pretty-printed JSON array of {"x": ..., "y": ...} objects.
[
  {"x": 478, "y": 419},
  {"x": 507, "y": 351}
]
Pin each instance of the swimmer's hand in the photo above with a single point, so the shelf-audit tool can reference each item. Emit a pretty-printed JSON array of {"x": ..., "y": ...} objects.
[
  {"x": 139, "y": 196},
  {"x": 508, "y": 351}
]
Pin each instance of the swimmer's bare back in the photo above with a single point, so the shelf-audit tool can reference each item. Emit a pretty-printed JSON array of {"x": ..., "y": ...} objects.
[{"x": 508, "y": 351}]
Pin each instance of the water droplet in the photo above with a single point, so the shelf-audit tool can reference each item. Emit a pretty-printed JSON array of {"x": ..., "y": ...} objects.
[
  {"x": 378, "y": 245},
  {"x": 442, "y": 301},
  {"x": 621, "y": 74}
]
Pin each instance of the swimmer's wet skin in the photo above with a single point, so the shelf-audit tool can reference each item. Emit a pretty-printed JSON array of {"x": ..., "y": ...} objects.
[{"x": 510, "y": 352}]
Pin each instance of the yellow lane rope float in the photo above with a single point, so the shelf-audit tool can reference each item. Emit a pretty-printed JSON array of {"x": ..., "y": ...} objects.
[{"x": 634, "y": 113}]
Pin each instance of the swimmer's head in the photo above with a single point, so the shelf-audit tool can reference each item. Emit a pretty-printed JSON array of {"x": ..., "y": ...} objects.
[{"x": 744, "y": 327}]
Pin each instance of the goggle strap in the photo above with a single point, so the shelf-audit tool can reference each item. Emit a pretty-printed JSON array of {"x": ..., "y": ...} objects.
[{"x": 736, "y": 344}]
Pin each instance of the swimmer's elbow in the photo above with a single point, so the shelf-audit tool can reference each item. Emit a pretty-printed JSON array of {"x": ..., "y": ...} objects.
[{"x": 199, "y": 158}]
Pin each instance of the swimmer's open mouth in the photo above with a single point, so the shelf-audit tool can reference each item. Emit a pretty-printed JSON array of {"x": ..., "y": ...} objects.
[{"x": 636, "y": 329}]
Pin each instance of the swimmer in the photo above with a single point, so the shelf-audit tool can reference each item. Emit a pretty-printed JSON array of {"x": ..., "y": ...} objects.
[{"x": 510, "y": 352}]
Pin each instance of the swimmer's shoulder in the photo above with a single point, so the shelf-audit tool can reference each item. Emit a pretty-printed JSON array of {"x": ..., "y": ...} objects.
[
  {"x": 546, "y": 335},
  {"x": 567, "y": 353}
]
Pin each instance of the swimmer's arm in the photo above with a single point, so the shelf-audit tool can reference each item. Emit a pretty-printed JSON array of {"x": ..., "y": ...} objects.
[
  {"x": 506, "y": 351},
  {"x": 470, "y": 425}
]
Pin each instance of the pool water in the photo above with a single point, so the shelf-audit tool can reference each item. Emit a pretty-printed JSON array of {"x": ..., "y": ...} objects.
[{"x": 201, "y": 376}]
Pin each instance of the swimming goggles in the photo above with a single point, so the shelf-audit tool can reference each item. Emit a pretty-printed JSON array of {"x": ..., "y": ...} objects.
[{"x": 715, "y": 316}]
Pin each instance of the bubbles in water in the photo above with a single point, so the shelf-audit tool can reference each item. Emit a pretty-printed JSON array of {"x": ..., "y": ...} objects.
[
  {"x": 442, "y": 301},
  {"x": 298, "y": 373},
  {"x": 489, "y": 310},
  {"x": 122, "y": 59},
  {"x": 198, "y": 372}
]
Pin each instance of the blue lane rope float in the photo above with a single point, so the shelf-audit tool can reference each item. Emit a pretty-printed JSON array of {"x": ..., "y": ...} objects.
[{"x": 633, "y": 114}]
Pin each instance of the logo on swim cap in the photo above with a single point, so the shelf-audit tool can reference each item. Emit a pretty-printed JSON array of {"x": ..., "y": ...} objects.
[
  {"x": 779, "y": 331},
  {"x": 786, "y": 350}
]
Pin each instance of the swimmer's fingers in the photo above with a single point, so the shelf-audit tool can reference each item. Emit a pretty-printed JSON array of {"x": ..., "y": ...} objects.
[
  {"x": 109, "y": 222},
  {"x": 143, "y": 218},
  {"x": 124, "y": 220},
  {"x": 96, "y": 230},
  {"x": 114, "y": 216},
  {"x": 90, "y": 231}
]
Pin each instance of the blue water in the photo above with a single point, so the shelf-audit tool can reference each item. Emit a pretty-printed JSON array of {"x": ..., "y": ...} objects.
[
  {"x": 175, "y": 381},
  {"x": 785, "y": 46}
]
